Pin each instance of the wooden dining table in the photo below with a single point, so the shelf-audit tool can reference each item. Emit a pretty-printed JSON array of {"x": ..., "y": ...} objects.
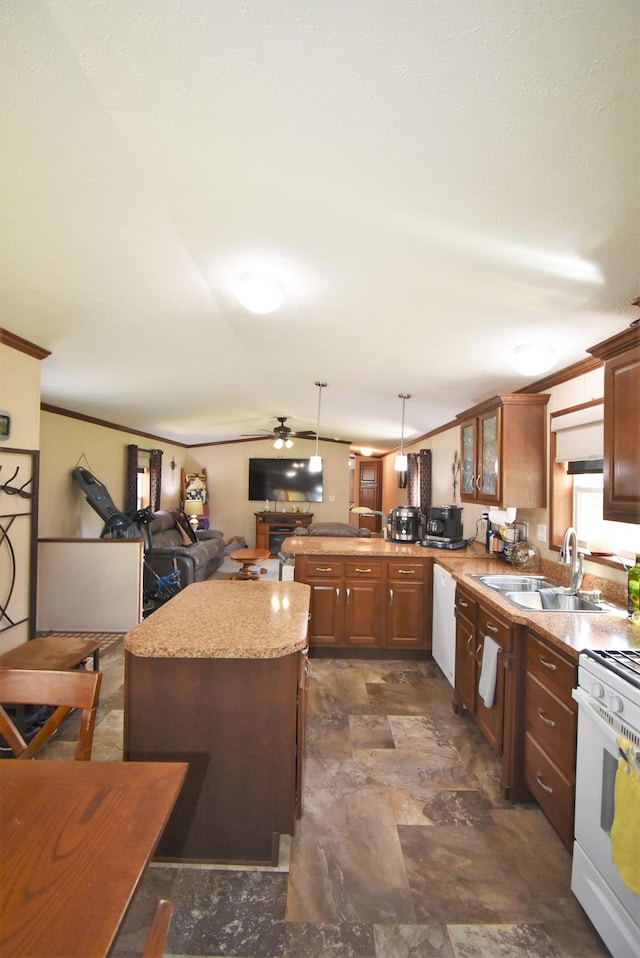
[{"x": 75, "y": 838}]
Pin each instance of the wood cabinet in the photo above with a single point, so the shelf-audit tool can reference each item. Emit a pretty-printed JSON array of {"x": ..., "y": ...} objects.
[
  {"x": 621, "y": 356},
  {"x": 374, "y": 602},
  {"x": 550, "y": 733},
  {"x": 272, "y": 528},
  {"x": 503, "y": 451}
]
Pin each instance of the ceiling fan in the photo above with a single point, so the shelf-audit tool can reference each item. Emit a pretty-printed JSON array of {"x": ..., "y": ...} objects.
[{"x": 283, "y": 435}]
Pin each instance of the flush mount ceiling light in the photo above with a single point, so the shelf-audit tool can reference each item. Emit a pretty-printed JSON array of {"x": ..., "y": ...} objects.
[
  {"x": 533, "y": 358},
  {"x": 400, "y": 464},
  {"x": 315, "y": 462},
  {"x": 259, "y": 293}
]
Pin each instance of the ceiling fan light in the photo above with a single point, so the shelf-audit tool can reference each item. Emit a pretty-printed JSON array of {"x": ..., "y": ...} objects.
[
  {"x": 533, "y": 358},
  {"x": 315, "y": 464},
  {"x": 278, "y": 444},
  {"x": 288, "y": 443},
  {"x": 260, "y": 293}
]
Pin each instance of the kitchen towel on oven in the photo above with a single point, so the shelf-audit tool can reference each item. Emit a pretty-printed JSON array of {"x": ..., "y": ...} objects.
[
  {"x": 489, "y": 671},
  {"x": 625, "y": 831}
]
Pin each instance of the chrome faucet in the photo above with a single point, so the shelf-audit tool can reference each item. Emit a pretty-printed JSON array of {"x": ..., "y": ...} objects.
[{"x": 569, "y": 556}]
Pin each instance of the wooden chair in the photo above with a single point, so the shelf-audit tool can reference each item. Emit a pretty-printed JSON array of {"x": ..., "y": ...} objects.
[
  {"x": 64, "y": 690},
  {"x": 157, "y": 934}
]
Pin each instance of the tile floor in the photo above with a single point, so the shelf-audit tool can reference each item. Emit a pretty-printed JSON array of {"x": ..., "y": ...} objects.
[{"x": 405, "y": 848}]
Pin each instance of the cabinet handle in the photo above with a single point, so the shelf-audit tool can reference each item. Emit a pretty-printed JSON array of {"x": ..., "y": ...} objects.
[
  {"x": 547, "y": 665},
  {"x": 337, "y": 595},
  {"x": 348, "y": 595},
  {"x": 478, "y": 651},
  {"x": 390, "y": 596},
  {"x": 547, "y": 788},
  {"x": 546, "y": 720},
  {"x": 461, "y": 602},
  {"x": 363, "y": 570},
  {"x": 478, "y": 478},
  {"x": 407, "y": 571},
  {"x": 323, "y": 569},
  {"x": 469, "y": 641},
  {"x": 490, "y": 627}
]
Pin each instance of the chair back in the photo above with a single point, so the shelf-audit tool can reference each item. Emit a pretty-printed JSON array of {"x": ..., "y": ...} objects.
[{"x": 74, "y": 689}]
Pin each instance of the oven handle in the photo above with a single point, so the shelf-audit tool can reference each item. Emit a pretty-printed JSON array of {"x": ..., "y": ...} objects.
[{"x": 583, "y": 700}]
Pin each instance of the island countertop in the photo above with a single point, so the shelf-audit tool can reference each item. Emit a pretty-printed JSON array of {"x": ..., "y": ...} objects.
[
  {"x": 226, "y": 620},
  {"x": 363, "y": 546}
]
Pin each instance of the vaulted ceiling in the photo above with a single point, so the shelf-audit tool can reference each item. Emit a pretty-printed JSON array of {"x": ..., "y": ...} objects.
[{"x": 433, "y": 183}]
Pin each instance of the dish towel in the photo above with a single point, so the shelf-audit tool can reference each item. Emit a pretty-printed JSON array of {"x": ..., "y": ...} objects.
[
  {"x": 625, "y": 831},
  {"x": 489, "y": 671}
]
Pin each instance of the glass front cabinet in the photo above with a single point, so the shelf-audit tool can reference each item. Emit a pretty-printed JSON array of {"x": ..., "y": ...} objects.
[{"x": 503, "y": 451}]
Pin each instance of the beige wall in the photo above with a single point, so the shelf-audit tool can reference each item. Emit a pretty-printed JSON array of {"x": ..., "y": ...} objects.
[
  {"x": 20, "y": 397},
  {"x": 67, "y": 443},
  {"x": 227, "y": 468}
]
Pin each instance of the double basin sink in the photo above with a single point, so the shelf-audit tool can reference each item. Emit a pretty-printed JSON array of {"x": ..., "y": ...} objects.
[{"x": 539, "y": 594}]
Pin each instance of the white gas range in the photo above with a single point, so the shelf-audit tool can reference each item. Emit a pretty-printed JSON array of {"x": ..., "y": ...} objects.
[{"x": 608, "y": 697}]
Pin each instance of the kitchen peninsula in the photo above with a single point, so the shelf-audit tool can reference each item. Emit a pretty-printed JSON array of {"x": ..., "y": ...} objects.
[{"x": 217, "y": 678}]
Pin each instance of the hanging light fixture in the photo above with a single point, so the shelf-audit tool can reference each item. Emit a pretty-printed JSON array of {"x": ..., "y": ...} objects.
[
  {"x": 400, "y": 464},
  {"x": 315, "y": 463}
]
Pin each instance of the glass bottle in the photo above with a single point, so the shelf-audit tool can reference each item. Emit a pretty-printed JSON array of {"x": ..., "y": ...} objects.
[{"x": 633, "y": 591}]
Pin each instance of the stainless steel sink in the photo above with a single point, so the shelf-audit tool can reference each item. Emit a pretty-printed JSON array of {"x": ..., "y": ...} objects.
[
  {"x": 539, "y": 594},
  {"x": 517, "y": 583}
]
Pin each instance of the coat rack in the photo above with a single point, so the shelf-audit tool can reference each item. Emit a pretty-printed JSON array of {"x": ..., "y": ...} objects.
[{"x": 19, "y": 470}]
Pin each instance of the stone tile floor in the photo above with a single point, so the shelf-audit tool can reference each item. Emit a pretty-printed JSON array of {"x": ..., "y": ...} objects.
[{"x": 406, "y": 848}]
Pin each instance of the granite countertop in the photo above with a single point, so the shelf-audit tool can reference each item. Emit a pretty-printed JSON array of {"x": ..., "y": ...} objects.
[
  {"x": 571, "y": 631},
  {"x": 226, "y": 620}
]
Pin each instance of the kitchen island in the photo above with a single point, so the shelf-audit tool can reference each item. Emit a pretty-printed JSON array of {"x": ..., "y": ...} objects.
[{"x": 217, "y": 678}]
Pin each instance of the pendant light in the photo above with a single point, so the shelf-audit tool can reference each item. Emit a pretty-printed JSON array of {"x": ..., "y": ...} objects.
[
  {"x": 315, "y": 462},
  {"x": 400, "y": 464}
]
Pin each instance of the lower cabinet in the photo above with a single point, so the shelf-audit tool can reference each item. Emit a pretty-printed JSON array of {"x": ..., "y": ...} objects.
[
  {"x": 377, "y": 603},
  {"x": 550, "y": 726}
]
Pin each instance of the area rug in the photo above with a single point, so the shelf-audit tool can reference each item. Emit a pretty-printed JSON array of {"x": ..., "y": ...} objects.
[{"x": 229, "y": 568}]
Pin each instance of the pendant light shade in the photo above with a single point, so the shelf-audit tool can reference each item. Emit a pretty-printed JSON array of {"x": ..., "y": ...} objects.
[
  {"x": 315, "y": 462},
  {"x": 400, "y": 464}
]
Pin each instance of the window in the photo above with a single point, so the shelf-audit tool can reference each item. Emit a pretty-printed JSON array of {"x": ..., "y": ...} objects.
[{"x": 595, "y": 533}]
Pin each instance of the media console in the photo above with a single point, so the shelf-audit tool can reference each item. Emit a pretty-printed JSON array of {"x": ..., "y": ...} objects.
[{"x": 272, "y": 528}]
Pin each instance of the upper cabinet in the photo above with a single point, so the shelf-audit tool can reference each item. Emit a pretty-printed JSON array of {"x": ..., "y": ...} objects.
[
  {"x": 502, "y": 451},
  {"x": 621, "y": 357}
]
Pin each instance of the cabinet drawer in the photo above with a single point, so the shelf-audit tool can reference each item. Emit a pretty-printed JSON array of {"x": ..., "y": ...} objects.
[
  {"x": 498, "y": 630},
  {"x": 406, "y": 571},
  {"x": 363, "y": 569},
  {"x": 553, "y": 792},
  {"x": 552, "y": 724},
  {"x": 551, "y": 669},
  {"x": 322, "y": 568},
  {"x": 466, "y": 606}
]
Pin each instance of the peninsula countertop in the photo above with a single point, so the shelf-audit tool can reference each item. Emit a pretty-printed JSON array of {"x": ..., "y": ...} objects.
[
  {"x": 226, "y": 620},
  {"x": 572, "y": 631}
]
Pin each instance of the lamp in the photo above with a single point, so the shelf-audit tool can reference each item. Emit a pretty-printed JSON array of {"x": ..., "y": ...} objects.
[
  {"x": 400, "y": 464},
  {"x": 194, "y": 508},
  {"x": 315, "y": 463},
  {"x": 259, "y": 293},
  {"x": 533, "y": 358}
]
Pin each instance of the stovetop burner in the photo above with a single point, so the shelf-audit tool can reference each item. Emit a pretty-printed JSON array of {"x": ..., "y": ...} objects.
[{"x": 624, "y": 662}]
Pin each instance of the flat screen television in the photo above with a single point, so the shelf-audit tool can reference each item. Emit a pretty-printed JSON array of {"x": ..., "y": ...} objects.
[{"x": 284, "y": 480}]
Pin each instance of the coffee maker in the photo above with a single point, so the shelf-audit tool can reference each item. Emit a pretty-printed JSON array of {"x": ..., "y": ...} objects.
[
  {"x": 444, "y": 527},
  {"x": 405, "y": 524}
]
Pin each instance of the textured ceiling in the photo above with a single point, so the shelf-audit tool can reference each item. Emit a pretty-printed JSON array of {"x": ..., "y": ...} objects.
[{"x": 433, "y": 182}]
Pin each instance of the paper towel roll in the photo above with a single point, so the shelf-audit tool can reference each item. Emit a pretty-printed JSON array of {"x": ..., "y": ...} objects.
[{"x": 502, "y": 517}]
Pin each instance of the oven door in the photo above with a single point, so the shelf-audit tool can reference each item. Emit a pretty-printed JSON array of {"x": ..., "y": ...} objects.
[{"x": 612, "y": 907}]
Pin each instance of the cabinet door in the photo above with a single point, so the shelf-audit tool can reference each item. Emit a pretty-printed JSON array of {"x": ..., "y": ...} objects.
[
  {"x": 621, "y": 501},
  {"x": 468, "y": 461},
  {"x": 406, "y": 621},
  {"x": 465, "y": 687},
  {"x": 303, "y": 692},
  {"x": 326, "y": 613},
  {"x": 363, "y": 612},
  {"x": 489, "y": 457},
  {"x": 491, "y": 720}
]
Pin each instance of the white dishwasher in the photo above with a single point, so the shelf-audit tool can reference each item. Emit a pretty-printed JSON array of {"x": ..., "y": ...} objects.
[{"x": 444, "y": 622}]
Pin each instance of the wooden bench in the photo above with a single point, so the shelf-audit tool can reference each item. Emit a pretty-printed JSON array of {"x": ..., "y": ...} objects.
[{"x": 55, "y": 653}]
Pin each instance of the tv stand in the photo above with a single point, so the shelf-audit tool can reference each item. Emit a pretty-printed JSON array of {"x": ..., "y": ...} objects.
[{"x": 272, "y": 528}]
